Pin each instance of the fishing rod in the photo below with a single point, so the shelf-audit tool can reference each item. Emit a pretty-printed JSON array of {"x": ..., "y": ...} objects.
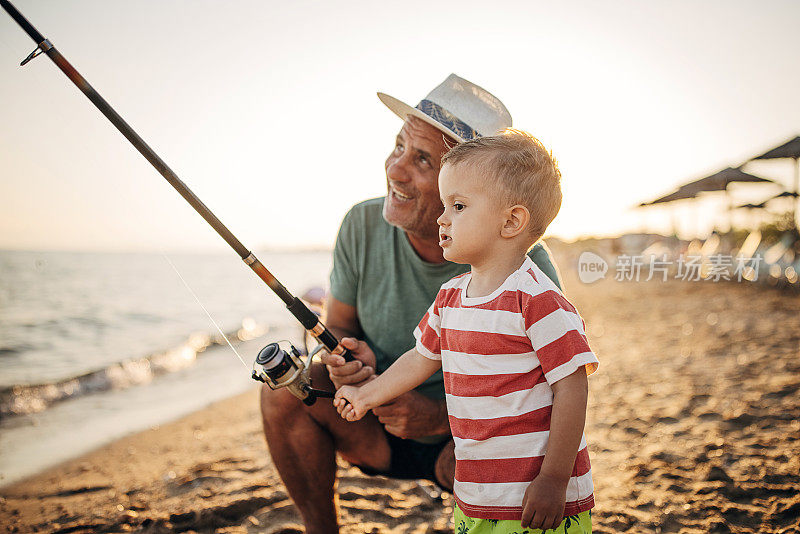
[{"x": 274, "y": 365}]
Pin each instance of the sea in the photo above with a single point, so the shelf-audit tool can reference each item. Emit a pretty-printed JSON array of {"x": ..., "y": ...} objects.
[{"x": 94, "y": 346}]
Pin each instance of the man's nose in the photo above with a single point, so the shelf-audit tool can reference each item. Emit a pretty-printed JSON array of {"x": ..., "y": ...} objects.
[{"x": 397, "y": 169}]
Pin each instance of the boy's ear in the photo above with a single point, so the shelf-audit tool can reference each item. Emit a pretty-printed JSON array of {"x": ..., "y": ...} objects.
[{"x": 516, "y": 221}]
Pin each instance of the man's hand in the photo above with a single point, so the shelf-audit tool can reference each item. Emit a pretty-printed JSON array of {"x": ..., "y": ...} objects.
[
  {"x": 543, "y": 504},
  {"x": 412, "y": 415},
  {"x": 351, "y": 373}
]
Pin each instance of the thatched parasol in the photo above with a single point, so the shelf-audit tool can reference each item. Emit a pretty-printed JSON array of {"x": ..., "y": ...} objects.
[
  {"x": 790, "y": 150},
  {"x": 675, "y": 195},
  {"x": 785, "y": 194},
  {"x": 760, "y": 205},
  {"x": 719, "y": 181}
]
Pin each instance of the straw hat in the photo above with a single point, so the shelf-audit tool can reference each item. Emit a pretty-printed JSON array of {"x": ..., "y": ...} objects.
[{"x": 458, "y": 108}]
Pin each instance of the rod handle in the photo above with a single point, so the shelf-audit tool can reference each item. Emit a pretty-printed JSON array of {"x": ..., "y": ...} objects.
[{"x": 311, "y": 322}]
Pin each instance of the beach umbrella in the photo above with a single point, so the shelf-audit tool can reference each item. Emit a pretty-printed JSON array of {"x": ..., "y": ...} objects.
[
  {"x": 789, "y": 150},
  {"x": 760, "y": 205},
  {"x": 751, "y": 207},
  {"x": 675, "y": 195},
  {"x": 671, "y": 197},
  {"x": 785, "y": 194},
  {"x": 720, "y": 181}
]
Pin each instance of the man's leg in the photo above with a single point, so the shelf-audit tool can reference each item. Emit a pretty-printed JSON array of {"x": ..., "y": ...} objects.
[
  {"x": 303, "y": 441},
  {"x": 445, "y": 469}
]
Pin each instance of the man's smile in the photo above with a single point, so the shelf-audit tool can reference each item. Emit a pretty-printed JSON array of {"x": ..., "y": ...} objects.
[{"x": 400, "y": 197}]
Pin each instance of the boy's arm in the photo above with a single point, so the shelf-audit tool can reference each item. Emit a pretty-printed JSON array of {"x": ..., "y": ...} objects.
[
  {"x": 410, "y": 370},
  {"x": 543, "y": 505},
  {"x": 567, "y": 420}
]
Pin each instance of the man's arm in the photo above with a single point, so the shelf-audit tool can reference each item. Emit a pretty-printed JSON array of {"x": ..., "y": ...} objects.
[{"x": 342, "y": 320}]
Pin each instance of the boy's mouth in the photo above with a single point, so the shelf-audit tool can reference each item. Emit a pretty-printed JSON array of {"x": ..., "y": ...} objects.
[{"x": 444, "y": 240}]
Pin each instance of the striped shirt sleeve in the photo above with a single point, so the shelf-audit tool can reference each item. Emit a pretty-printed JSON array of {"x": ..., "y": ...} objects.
[
  {"x": 428, "y": 333},
  {"x": 558, "y": 336}
]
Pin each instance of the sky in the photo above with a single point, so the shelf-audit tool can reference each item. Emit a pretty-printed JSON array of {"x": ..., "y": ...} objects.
[{"x": 267, "y": 110}]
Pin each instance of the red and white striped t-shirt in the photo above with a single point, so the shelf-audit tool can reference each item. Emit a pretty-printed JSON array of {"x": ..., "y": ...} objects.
[{"x": 500, "y": 353}]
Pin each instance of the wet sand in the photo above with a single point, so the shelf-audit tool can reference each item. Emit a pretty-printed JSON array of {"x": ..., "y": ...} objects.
[{"x": 694, "y": 426}]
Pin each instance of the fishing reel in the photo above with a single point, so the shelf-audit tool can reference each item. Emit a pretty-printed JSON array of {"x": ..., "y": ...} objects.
[{"x": 280, "y": 367}]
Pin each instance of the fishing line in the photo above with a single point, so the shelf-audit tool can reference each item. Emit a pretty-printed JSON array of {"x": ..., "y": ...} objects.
[
  {"x": 205, "y": 310},
  {"x": 275, "y": 369}
]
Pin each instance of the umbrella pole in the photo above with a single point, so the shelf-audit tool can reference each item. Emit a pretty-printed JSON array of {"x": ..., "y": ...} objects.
[
  {"x": 730, "y": 210},
  {"x": 795, "y": 200}
]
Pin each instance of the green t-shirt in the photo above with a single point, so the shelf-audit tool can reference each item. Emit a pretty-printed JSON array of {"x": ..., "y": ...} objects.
[{"x": 376, "y": 270}]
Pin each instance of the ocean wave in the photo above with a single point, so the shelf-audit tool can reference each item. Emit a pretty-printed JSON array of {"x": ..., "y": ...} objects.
[{"x": 27, "y": 399}]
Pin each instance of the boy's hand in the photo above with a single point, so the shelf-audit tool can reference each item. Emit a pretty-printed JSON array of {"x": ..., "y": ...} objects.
[
  {"x": 349, "y": 404},
  {"x": 544, "y": 501}
]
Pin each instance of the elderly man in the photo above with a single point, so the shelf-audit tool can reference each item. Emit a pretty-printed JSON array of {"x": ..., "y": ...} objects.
[{"x": 387, "y": 269}]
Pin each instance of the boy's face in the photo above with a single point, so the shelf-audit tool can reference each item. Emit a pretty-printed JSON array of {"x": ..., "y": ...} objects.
[{"x": 469, "y": 228}]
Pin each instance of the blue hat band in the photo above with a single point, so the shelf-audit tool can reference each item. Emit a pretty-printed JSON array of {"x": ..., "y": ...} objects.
[{"x": 448, "y": 120}]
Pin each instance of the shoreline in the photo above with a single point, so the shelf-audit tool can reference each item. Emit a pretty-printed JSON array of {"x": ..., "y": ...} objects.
[
  {"x": 35, "y": 442},
  {"x": 153, "y": 433},
  {"x": 207, "y": 470}
]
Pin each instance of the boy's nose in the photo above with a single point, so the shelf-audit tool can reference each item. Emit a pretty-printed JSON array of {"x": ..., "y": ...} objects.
[{"x": 441, "y": 221}]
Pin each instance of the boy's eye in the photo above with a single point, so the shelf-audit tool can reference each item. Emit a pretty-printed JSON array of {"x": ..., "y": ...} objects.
[{"x": 458, "y": 206}]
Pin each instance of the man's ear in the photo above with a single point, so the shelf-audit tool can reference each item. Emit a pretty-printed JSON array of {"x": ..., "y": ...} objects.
[{"x": 516, "y": 221}]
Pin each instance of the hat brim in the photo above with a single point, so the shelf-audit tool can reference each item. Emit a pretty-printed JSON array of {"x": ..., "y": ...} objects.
[{"x": 403, "y": 110}]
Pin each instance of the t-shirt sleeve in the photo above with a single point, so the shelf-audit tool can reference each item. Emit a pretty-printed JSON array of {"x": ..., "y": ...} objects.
[
  {"x": 344, "y": 275},
  {"x": 427, "y": 334},
  {"x": 558, "y": 336},
  {"x": 540, "y": 255}
]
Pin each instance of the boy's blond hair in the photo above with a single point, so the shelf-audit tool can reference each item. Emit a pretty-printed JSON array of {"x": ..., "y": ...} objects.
[{"x": 525, "y": 171}]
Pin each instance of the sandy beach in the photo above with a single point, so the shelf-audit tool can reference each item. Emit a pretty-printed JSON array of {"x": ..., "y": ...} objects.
[{"x": 693, "y": 425}]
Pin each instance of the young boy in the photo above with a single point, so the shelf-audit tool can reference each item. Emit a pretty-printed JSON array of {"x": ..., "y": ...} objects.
[{"x": 513, "y": 350}]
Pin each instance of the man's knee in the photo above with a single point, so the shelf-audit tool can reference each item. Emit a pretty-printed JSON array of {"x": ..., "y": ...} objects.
[
  {"x": 278, "y": 406},
  {"x": 362, "y": 442},
  {"x": 445, "y": 469}
]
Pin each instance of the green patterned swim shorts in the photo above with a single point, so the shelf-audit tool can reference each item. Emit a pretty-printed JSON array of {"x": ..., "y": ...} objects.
[{"x": 574, "y": 524}]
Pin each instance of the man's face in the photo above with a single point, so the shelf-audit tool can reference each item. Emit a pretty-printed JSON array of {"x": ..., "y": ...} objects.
[{"x": 412, "y": 171}]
